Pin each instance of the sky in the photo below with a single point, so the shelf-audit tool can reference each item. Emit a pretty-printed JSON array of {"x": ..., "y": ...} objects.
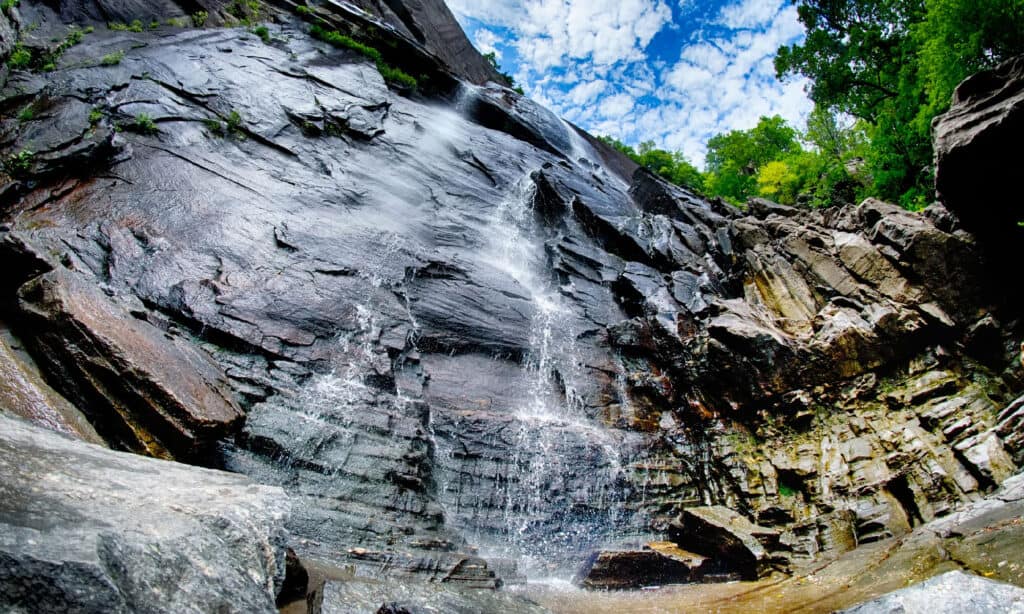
[{"x": 675, "y": 72}]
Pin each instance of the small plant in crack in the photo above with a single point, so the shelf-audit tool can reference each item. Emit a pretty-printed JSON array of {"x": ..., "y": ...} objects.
[
  {"x": 234, "y": 122},
  {"x": 143, "y": 124},
  {"x": 19, "y": 164},
  {"x": 20, "y": 57},
  {"x": 134, "y": 26},
  {"x": 112, "y": 59},
  {"x": 231, "y": 126},
  {"x": 214, "y": 126},
  {"x": 263, "y": 32},
  {"x": 28, "y": 113}
]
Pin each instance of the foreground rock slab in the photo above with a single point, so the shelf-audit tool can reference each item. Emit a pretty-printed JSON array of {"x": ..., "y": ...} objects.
[
  {"x": 952, "y": 593},
  {"x": 85, "y": 529}
]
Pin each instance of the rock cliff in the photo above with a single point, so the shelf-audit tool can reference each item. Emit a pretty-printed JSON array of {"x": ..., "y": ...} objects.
[{"x": 460, "y": 333}]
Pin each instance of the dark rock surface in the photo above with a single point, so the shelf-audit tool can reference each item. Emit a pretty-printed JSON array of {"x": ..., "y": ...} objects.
[
  {"x": 145, "y": 392},
  {"x": 951, "y": 593},
  {"x": 730, "y": 540},
  {"x": 971, "y": 162},
  {"x": 460, "y": 331},
  {"x": 85, "y": 529},
  {"x": 430, "y": 23},
  {"x": 658, "y": 563}
]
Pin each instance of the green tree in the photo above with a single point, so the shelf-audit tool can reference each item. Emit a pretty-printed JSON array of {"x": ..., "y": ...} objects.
[
  {"x": 958, "y": 38},
  {"x": 492, "y": 59},
  {"x": 735, "y": 158},
  {"x": 894, "y": 64},
  {"x": 673, "y": 166}
]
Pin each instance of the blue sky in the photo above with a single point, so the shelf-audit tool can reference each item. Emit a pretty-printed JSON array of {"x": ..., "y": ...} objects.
[{"x": 672, "y": 71}]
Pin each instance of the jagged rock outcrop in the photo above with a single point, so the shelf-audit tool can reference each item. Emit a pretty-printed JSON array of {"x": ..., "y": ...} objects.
[
  {"x": 460, "y": 331},
  {"x": 971, "y": 165},
  {"x": 85, "y": 529},
  {"x": 145, "y": 392},
  {"x": 729, "y": 539}
]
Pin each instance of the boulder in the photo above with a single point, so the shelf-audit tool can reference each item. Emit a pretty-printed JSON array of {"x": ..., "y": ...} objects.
[
  {"x": 985, "y": 121},
  {"x": 735, "y": 543},
  {"x": 143, "y": 390},
  {"x": 950, "y": 593},
  {"x": 657, "y": 563},
  {"x": 86, "y": 529}
]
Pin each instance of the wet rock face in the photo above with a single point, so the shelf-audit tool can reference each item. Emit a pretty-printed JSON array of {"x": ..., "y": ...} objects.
[
  {"x": 460, "y": 331},
  {"x": 23, "y": 392},
  {"x": 115, "y": 532},
  {"x": 146, "y": 393}
]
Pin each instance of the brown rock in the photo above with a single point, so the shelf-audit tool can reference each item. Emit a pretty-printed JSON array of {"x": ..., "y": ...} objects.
[
  {"x": 143, "y": 390},
  {"x": 24, "y": 393},
  {"x": 658, "y": 563},
  {"x": 727, "y": 537}
]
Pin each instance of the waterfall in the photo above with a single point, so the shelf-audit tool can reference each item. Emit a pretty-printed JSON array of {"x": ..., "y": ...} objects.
[{"x": 559, "y": 488}]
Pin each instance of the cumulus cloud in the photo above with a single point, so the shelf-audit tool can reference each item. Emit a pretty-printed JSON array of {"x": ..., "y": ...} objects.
[
  {"x": 486, "y": 42},
  {"x": 638, "y": 70},
  {"x": 603, "y": 32},
  {"x": 585, "y": 93},
  {"x": 749, "y": 13}
]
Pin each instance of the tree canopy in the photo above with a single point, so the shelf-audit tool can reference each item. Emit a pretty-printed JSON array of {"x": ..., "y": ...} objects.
[
  {"x": 671, "y": 165},
  {"x": 769, "y": 160},
  {"x": 894, "y": 65}
]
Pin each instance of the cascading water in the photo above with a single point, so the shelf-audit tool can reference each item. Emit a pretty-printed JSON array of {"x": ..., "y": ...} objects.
[{"x": 561, "y": 480}]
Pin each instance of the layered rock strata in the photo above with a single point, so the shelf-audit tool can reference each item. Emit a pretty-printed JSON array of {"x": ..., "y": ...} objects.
[{"x": 458, "y": 330}]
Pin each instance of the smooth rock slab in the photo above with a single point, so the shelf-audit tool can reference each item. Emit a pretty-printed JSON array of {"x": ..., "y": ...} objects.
[
  {"x": 84, "y": 529},
  {"x": 951, "y": 593}
]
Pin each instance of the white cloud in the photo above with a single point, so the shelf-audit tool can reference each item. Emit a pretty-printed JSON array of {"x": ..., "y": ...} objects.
[
  {"x": 493, "y": 12},
  {"x": 602, "y": 32},
  {"x": 587, "y": 92},
  {"x": 486, "y": 42},
  {"x": 749, "y": 13},
  {"x": 588, "y": 60},
  {"x": 617, "y": 106}
]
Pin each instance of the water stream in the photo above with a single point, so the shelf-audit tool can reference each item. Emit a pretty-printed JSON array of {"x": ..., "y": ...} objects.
[{"x": 561, "y": 480}]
